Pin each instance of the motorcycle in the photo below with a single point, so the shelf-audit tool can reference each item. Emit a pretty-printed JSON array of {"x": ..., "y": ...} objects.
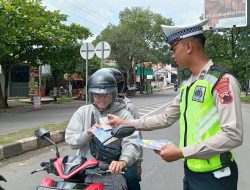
[
  {"x": 2, "y": 179},
  {"x": 74, "y": 170},
  {"x": 60, "y": 92}
]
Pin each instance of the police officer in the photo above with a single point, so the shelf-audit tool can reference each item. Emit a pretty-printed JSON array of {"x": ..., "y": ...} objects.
[{"x": 209, "y": 110}]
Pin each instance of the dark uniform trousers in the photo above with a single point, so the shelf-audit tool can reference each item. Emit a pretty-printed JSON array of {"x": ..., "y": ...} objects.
[{"x": 207, "y": 180}]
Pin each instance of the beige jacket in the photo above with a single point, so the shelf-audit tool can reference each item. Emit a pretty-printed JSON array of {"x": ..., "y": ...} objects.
[{"x": 230, "y": 114}]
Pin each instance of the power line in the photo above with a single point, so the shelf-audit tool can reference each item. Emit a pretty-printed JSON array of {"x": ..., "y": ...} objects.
[
  {"x": 77, "y": 16},
  {"x": 82, "y": 7}
]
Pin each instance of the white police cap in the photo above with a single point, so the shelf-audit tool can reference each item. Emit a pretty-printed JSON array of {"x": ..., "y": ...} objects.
[{"x": 174, "y": 33}]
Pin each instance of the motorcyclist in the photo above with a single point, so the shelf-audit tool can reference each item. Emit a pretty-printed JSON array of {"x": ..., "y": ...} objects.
[
  {"x": 120, "y": 87},
  {"x": 120, "y": 154},
  {"x": 133, "y": 175},
  {"x": 175, "y": 85}
]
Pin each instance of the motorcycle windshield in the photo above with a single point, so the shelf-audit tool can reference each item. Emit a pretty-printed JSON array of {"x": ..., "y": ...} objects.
[{"x": 71, "y": 163}]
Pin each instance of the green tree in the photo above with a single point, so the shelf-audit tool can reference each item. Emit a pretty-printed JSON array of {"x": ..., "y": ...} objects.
[
  {"x": 230, "y": 48},
  {"x": 29, "y": 33},
  {"x": 138, "y": 37}
]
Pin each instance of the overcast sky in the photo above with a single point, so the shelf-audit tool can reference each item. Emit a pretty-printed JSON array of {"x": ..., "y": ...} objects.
[{"x": 96, "y": 14}]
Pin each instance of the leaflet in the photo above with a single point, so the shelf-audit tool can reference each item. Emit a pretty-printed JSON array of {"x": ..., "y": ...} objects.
[
  {"x": 104, "y": 132},
  {"x": 154, "y": 144},
  {"x": 103, "y": 135},
  {"x": 103, "y": 122}
]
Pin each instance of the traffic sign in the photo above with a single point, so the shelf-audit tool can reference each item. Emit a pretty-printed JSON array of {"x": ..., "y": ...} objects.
[
  {"x": 146, "y": 71},
  {"x": 87, "y": 50},
  {"x": 102, "y": 49}
]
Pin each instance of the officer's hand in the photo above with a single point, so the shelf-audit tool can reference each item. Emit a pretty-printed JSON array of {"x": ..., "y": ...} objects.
[
  {"x": 115, "y": 121},
  {"x": 117, "y": 166},
  {"x": 170, "y": 152},
  {"x": 91, "y": 131}
]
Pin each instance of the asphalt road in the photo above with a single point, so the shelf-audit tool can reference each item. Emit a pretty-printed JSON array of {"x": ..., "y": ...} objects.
[
  {"x": 22, "y": 116},
  {"x": 157, "y": 174}
]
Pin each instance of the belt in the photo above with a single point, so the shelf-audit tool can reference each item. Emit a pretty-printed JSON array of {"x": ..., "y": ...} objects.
[{"x": 224, "y": 166}]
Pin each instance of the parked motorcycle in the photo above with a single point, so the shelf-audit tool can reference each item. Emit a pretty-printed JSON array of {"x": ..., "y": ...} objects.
[
  {"x": 59, "y": 92},
  {"x": 74, "y": 170}
]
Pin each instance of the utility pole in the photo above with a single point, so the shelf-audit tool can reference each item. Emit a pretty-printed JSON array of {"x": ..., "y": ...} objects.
[
  {"x": 233, "y": 45},
  {"x": 141, "y": 77},
  {"x": 247, "y": 76},
  {"x": 87, "y": 51}
]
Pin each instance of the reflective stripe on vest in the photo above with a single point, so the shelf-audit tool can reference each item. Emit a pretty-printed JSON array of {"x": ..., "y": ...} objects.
[{"x": 199, "y": 121}]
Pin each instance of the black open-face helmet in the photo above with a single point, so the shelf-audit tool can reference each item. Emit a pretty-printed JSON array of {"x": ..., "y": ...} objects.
[
  {"x": 120, "y": 80},
  {"x": 102, "y": 83}
]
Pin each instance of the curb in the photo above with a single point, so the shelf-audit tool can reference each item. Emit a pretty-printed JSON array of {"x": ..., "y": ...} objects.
[{"x": 31, "y": 143}]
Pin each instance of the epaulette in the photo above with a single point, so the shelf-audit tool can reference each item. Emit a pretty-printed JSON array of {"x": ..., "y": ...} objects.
[{"x": 217, "y": 72}]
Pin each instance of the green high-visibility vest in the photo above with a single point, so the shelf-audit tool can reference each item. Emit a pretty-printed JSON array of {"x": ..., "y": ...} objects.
[{"x": 200, "y": 120}]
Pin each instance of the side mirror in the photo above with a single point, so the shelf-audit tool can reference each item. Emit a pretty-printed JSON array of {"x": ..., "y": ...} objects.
[
  {"x": 122, "y": 131},
  {"x": 41, "y": 133},
  {"x": 44, "y": 134}
]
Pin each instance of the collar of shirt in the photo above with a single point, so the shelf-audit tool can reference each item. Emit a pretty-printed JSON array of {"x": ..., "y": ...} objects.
[{"x": 201, "y": 74}]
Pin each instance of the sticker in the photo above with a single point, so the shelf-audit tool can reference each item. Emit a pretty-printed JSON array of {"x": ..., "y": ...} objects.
[
  {"x": 199, "y": 94},
  {"x": 223, "y": 91}
]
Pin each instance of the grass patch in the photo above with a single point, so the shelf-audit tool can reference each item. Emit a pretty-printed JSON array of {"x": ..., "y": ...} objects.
[
  {"x": 64, "y": 99},
  {"x": 19, "y": 97},
  {"x": 245, "y": 99},
  {"x": 25, "y": 133}
]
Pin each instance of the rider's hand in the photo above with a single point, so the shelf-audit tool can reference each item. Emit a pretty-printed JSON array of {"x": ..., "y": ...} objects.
[
  {"x": 117, "y": 166},
  {"x": 91, "y": 131}
]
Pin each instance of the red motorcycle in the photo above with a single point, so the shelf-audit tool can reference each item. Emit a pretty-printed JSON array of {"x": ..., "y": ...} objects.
[{"x": 73, "y": 170}]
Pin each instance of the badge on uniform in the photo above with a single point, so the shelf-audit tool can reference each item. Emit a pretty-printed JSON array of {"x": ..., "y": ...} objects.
[
  {"x": 199, "y": 94},
  {"x": 223, "y": 91}
]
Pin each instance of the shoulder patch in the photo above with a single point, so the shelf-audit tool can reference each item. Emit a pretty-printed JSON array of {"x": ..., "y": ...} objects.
[
  {"x": 199, "y": 94},
  {"x": 223, "y": 91}
]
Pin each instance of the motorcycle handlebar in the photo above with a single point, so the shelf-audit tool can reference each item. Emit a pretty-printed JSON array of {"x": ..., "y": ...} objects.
[
  {"x": 38, "y": 170},
  {"x": 103, "y": 168},
  {"x": 46, "y": 166}
]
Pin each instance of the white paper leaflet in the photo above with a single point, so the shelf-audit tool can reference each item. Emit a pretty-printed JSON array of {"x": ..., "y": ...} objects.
[{"x": 154, "y": 144}]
